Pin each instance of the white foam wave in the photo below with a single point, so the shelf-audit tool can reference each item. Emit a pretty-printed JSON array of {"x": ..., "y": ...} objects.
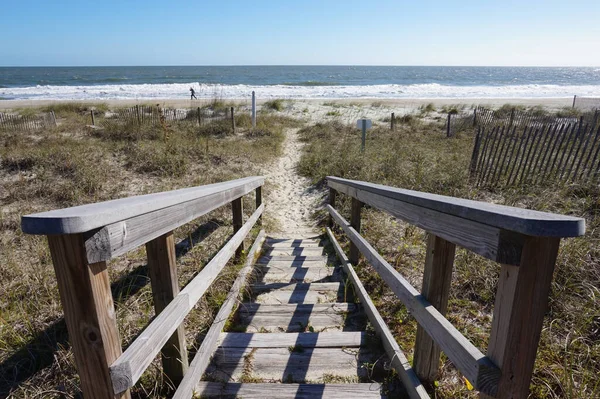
[{"x": 181, "y": 91}]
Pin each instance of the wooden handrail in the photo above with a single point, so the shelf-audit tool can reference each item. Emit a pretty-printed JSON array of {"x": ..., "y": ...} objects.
[
  {"x": 84, "y": 218},
  {"x": 525, "y": 242},
  {"x": 82, "y": 239}
]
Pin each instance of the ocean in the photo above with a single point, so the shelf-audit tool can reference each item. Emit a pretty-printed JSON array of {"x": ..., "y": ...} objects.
[{"x": 237, "y": 82}]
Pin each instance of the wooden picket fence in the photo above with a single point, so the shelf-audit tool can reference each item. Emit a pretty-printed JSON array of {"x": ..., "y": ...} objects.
[
  {"x": 488, "y": 118},
  {"x": 15, "y": 122},
  {"x": 155, "y": 116},
  {"x": 513, "y": 156}
]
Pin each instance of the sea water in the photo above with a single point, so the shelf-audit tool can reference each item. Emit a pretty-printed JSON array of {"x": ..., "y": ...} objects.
[{"x": 237, "y": 82}]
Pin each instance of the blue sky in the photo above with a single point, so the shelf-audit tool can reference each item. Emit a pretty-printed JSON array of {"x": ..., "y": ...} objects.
[{"x": 326, "y": 32}]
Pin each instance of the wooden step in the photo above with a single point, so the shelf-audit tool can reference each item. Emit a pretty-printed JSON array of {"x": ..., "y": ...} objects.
[
  {"x": 294, "y": 251},
  {"x": 297, "y": 287},
  {"x": 295, "y": 365},
  {"x": 298, "y": 274},
  {"x": 288, "y": 391},
  {"x": 300, "y": 317},
  {"x": 304, "y": 293},
  {"x": 292, "y": 261},
  {"x": 333, "y": 339},
  {"x": 291, "y": 242}
]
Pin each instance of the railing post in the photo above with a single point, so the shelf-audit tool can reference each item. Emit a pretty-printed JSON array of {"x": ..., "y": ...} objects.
[
  {"x": 259, "y": 201},
  {"x": 392, "y": 122},
  {"x": 355, "y": 223},
  {"x": 332, "y": 195},
  {"x": 437, "y": 276},
  {"x": 162, "y": 269},
  {"x": 521, "y": 302},
  {"x": 253, "y": 110},
  {"x": 237, "y": 208},
  {"x": 232, "y": 121},
  {"x": 89, "y": 314},
  {"x": 448, "y": 131}
]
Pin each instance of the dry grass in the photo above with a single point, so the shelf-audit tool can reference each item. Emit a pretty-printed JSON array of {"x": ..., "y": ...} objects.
[
  {"x": 71, "y": 165},
  {"x": 418, "y": 156}
]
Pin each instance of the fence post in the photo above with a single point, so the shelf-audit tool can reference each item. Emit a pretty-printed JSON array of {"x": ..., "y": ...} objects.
[
  {"x": 137, "y": 113},
  {"x": 93, "y": 121},
  {"x": 392, "y": 122},
  {"x": 521, "y": 302},
  {"x": 258, "y": 192},
  {"x": 512, "y": 118},
  {"x": 475, "y": 154},
  {"x": 448, "y": 125},
  {"x": 162, "y": 268},
  {"x": 364, "y": 135},
  {"x": 355, "y": 223},
  {"x": 474, "y": 117},
  {"x": 89, "y": 314},
  {"x": 437, "y": 276},
  {"x": 574, "y": 98},
  {"x": 332, "y": 195},
  {"x": 199, "y": 123},
  {"x": 237, "y": 208},
  {"x": 253, "y": 110},
  {"x": 232, "y": 121}
]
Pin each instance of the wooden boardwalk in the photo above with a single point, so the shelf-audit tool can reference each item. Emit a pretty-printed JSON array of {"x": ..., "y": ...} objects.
[
  {"x": 300, "y": 333},
  {"x": 300, "y": 330}
]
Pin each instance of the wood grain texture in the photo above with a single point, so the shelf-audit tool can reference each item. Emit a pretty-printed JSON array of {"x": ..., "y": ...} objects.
[
  {"x": 331, "y": 339},
  {"x": 288, "y": 391},
  {"x": 491, "y": 242},
  {"x": 521, "y": 303},
  {"x": 89, "y": 314},
  {"x": 209, "y": 344},
  {"x": 331, "y": 199},
  {"x": 437, "y": 277},
  {"x": 519, "y": 220},
  {"x": 128, "y": 368},
  {"x": 469, "y": 360},
  {"x": 81, "y": 219},
  {"x": 399, "y": 361},
  {"x": 162, "y": 269},
  {"x": 237, "y": 210},
  {"x": 281, "y": 364},
  {"x": 118, "y": 238},
  {"x": 355, "y": 223}
]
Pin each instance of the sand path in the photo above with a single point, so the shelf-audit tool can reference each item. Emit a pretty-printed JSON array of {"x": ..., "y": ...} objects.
[{"x": 292, "y": 199}]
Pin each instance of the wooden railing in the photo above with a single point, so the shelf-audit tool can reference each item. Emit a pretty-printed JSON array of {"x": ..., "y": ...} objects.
[
  {"x": 524, "y": 242},
  {"x": 83, "y": 238}
]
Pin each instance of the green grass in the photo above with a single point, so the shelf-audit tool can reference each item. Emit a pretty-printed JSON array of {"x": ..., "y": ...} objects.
[{"x": 418, "y": 156}]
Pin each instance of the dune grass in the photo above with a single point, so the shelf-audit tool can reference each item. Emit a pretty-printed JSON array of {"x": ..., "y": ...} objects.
[
  {"x": 418, "y": 156},
  {"x": 71, "y": 165}
]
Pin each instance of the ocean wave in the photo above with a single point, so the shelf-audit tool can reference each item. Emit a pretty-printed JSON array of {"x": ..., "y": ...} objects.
[{"x": 181, "y": 91}]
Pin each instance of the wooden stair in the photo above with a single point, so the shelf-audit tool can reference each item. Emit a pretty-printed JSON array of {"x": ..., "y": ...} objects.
[{"x": 299, "y": 335}]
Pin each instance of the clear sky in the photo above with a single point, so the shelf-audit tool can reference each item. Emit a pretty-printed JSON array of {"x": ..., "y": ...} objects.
[{"x": 300, "y": 32}]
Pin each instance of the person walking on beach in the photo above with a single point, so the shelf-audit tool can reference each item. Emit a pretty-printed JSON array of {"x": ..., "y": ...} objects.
[{"x": 193, "y": 94}]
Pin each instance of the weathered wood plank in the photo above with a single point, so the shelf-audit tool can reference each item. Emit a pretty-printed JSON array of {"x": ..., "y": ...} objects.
[
  {"x": 332, "y": 339},
  {"x": 399, "y": 361},
  {"x": 519, "y": 220},
  {"x": 283, "y": 364},
  {"x": 485, "y": 240},
  {"x": 298, "y": 318},
  {"x": 469, "y": 360},
  {"x": 118, "y": 238},
  {"x": 521, "y": 303},
  {"x": 300, "y": 295},
  {"x": 297, "y": 274},
  {"x": 81, "y": 219},
  {"x": 336, "y": 286},
  {"x": 237, "y": 209},
  {"x": 295, "y": 251},
  {"x": 89, "y": 314},
  {"x": 437, "y": 277},
  {"x": 209, "y": 344},
  {"x": 162, "y": 268},
  {"x": 355, "y": 222},
  {"x": 293, "y": 261},
  {"x": 285, "y": 242},
  {"x": 128, "y": 368},
  {"x": 289, "y": 391}
]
